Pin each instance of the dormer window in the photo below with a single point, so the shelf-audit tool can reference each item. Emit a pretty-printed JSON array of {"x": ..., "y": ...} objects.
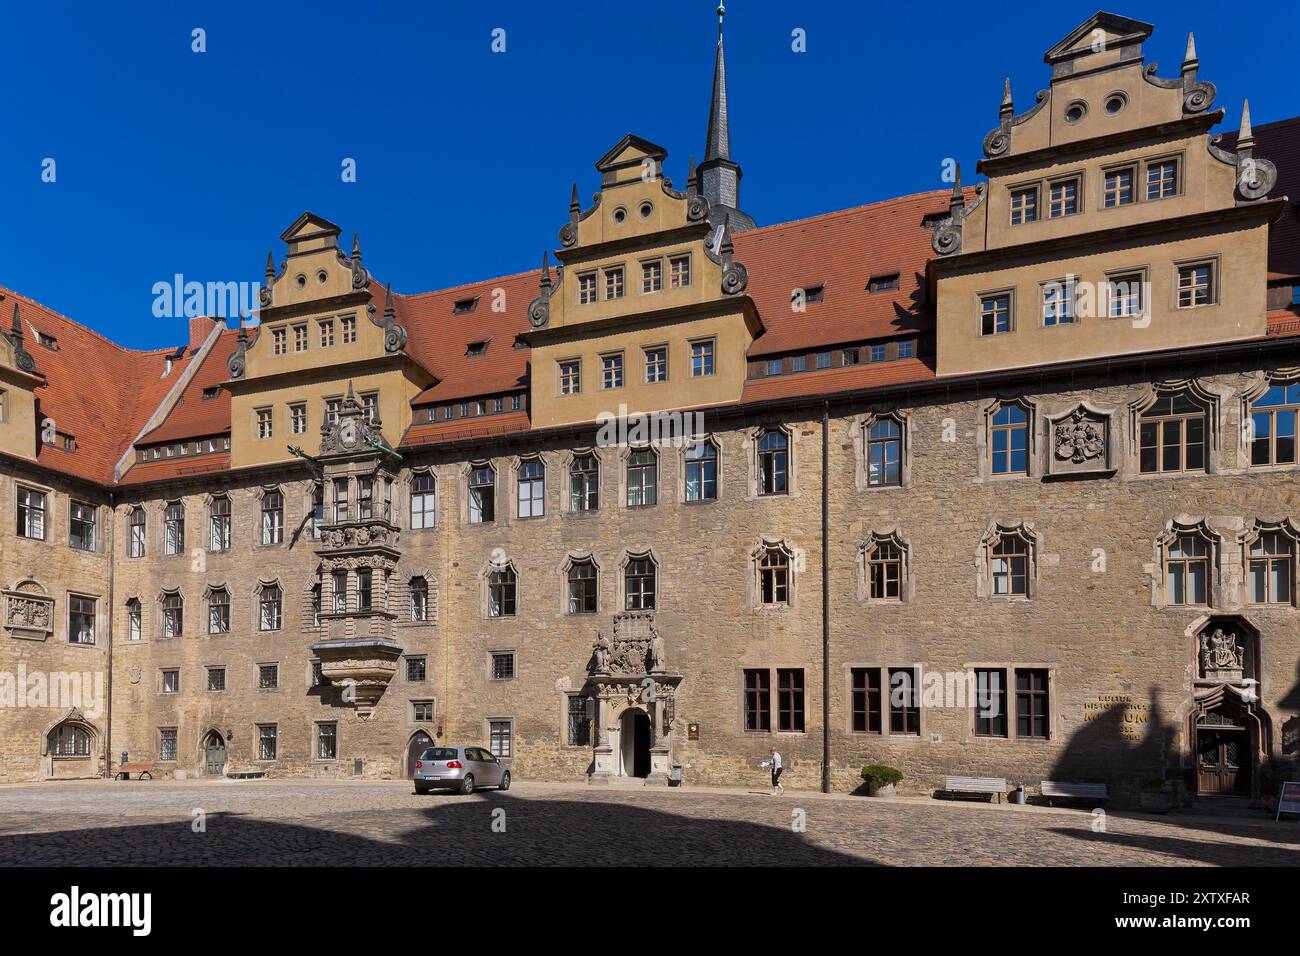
[
  {"x": 211, "y": 392},
  {"x": 476, "y": 349},
  {"x": 464, "y": 306},
  {"x": 883, "y": 283},
  {"x": 48, "y": 341},
  {"x": 812, "y": 293}
]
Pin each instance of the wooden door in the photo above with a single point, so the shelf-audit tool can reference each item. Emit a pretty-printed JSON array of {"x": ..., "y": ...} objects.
[
  {"x": 1222, "y": 761},
  {"x": 419, "y": 744},
  {"x": 214, "y": 763}
]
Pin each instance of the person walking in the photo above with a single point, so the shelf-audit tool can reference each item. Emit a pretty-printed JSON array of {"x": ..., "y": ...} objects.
[{"x": 774, "y": 756}]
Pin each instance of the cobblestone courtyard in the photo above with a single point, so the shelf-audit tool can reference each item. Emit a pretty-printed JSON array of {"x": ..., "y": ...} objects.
[{"x": 287, "y": 823}]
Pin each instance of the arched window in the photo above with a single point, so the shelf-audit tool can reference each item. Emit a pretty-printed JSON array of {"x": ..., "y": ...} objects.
[
  {"x": 639, "y": 583},
  {"x": 174, "y": 528},
  {"x": 219, "y": 524},
  {"x": 419, "y": 599},
  {"x": 69, "y": 740},
  {"x": 1171, "y": 435},
  {"x": 134, "y": 620},
  {"x": 584, "y": 483},
  {"x": 219, "y": 611},
  {"x": 582, "y": 587},
  {"x": 702, "y": 471},
  {"x": 1009, "y": 441},
  {"x": 423, "y": 501},
  {"x": 1273, "y": 425},
  {"x": 272, "y": 517},
  {"x": 173, "y": 614},
  {"x": 885, "y": 452},
  {"x": 136, "y": 539},
  {"x": 773, "y": 462},
  {"x": 271, "y": 604},
  {"x": 501, "y": 592},
  {"x": 315, "y": 604},
  {"x": 774, "y": 576},
  {"x": 642, "y": 478},
  {"x": 532, "y": 488},
  {"x": 1010, "y": 561},
  {"x": 885, "y": 571}
]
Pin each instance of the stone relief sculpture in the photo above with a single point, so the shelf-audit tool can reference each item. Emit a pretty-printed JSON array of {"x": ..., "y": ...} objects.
[
  {"x": 1079, "y": 439},
  {"x": 1221, "y": 651}
]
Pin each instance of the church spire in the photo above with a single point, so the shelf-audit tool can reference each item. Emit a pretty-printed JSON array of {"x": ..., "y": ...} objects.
[{"x": 719, "y": 176}]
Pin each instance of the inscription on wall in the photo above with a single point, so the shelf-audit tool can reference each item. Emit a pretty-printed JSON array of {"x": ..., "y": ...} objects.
[{"x": 1129, "y": 716}]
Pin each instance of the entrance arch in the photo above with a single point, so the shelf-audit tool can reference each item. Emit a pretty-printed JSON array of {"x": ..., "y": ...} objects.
[
  {"x": 420, "y": 742},
  {"x": 214, "y": 754},
  {"x": 634, "y": 743}
]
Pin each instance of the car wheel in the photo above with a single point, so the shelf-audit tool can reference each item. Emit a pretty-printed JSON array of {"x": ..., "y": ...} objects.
[
  {"x": 467, "y": 785},
  {"x": 505, "y": 781},
  {"x": 421, "y": 790}
]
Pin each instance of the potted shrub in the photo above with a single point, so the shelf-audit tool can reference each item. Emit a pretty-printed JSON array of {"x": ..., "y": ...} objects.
[
  {"x": 880, "y": 779},
  {"x": 1156, "y": 797}
]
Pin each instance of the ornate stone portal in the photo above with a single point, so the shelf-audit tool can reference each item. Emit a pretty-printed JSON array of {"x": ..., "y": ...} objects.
[
  {"x": 358, "y": 555},
  {"x": 629, "y": 674}
]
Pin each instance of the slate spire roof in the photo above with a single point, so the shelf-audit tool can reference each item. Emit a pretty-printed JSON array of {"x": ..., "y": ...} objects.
[{"x": 719, "y": 174}]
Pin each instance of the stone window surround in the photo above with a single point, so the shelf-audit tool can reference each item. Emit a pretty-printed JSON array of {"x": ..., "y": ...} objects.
[
  {"x": 208, "y": 591},
  {"x": 795, "y": 558},
  {"x": 66, "y": 624},
  {"x": 906, "y": 584},
  {"x": 466, "y": 471},
  {"x": 491, "y": 654},
  {"x": 50, "y": 520},
  {"x": 160, "y": 525},
  {"x": 1286, "y": 526},
  {"x": 177, "y": 737},
  {"x": 1009, "y": 668},
  {"x": 433, "y": 712},
  {"x": 563, "y": 723},
  {"x": 681, "y": 471},
  {"x": 487, "y": 735},
  {"x": 286, "y": 532},
  {"x": 1191, "y": 388},
  {"x": 749, "y": 442},
  {"x": 163, "y": 593},
  {"x": 575, "y": 556},
  {"x": 485, "y": 600},
  {"x": 984, "y": 440},
  {"x": 405, "y": 491},
  {"x": 860, "y": 428},
  {"x": 1261, "y": 382},
  {"x": 256, "y": 590},
  {"x": 516, "y": 463},
  {"x": 996, "y": 530},
  {"x": 625, "y": 453},
  {"x": 631, "y": 554},
  {"x": 257, "y": 677},
  {"x": 225, "y": 680},
  {"x": 257, "y": 742},
  {"x": 567, "y": 458},
  {"x": 847, "y": 676},
  {"x": 811, "y": 694},
  {"x": 1216, "y": 589},
  {"x": 314, "y": 727},
  {"x": 403, "y": 612}
]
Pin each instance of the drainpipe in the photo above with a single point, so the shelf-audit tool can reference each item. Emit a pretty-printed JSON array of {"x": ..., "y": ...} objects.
[
  {"x": 826, "y": 600},
  {"x": 108, "y": 677}
]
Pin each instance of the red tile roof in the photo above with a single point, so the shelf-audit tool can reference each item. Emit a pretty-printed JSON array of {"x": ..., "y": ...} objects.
[
  {"x": 833, "y": 380},
  {"x": 1280, "y": 143},
  {"x": 194, "y": 416},
  {"x": 458, "y": 429},
  {"x": 165, "y": 468}
]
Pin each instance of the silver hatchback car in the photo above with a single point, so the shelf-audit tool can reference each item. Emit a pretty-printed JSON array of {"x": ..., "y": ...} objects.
[{"x": 459, "y": 768}]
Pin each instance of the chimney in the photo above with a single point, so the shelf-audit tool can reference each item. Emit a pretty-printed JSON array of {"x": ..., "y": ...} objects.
[{"x": 200, "y": 327}]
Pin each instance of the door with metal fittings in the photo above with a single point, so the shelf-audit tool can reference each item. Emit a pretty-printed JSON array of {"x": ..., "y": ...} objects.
[
  {"x": 1222, "y": 760},
  {"x": 214, "y": 755}
]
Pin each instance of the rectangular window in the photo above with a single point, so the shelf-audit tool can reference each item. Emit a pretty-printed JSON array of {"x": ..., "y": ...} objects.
[
  {"x": 365, "y": 589},
  {"x": 167, "y": 744},
  {"x": 173, "y": 615},
  {"x": 298, "y": 418},
  {"x": 216, "y": 678},
  {"x": 135, "y": 543},
  {"x": 1058, "y": 302},
  {"x": 271, "y": 608},
  {"x": 171, "y": 682},
  {"x": 340, "y": 500},
  {"x": 219, "y": 524},
  {"x": 1195, "y": 284},
  {"x": 884, "y": 453},
  {"x": 81, "y": 619},
  {"x": 422, "y": 711},
  {"x": 326, "y": 327},
  {"x": 1270, "y": 571},
  {"x": 482, "y": 495},
  {"x": 327, "y": 740},
  {"x": 1063, "y": 198},
  {"x": 134, "y": 620},
  {"x": 267, "y": 740},
  {"x": 370, "y": 406},
  {"x": 1024, "y": 205},
  {"x": 1125, "y": 297},
  {"x": 883, "y": 283},
  {"x": 423, "y": 501},
  {"x": 679, "y": 272},
  {"x": 264, "y": 423},
  {"x": 417, "y": 669},
  {"x": 995, "y": 314},
  {"x": 758, "y": 701},
  {"x": 579, "y": 723},
  {"x": 31, "y": 513},
  {"x": 332, "y": 408},
  {"x": 789, "y": 700},
  {"x": 500, "y": 737},
  {"x": 279, "y": 341},
  {"x": 268, "y": 676},
  {"x": 1118, "y": 187},
  {"x": 570, "y": 377},
  {"x": 81, "y": 526},
  {"x": 174, "y": 528},
  {"x": 1162, "y": 179},
  {"x": 642, "y": 478},
  {"x": 272, "y": 518},
  {"x": 587, "y": 288},
  {"x": 774, "y": 578},
  {"x": 701, "y": 358},
  {"x": 1187, "y": 571},
  {"x": 702, "y": 472},
  {"x": 1031, "y": 704},
  {"x": 906, "y": 348},
  {"x": 904, "y": 701},
  {"x": 990, "y": 703},
  {"x": 503, "y": 666},
  {"x": 614, "y": 283},
  {"x": 876, "y": 353},
  {"x": 885, "y": 571},
  {"x": 656, "y": 364},
  {"x": 611, "y": 370},
  {"x": 300, "y": 337},
  {"x": 866, "y": 700},
  {"x": 652, "y": 276},
  {"x": 219, "y": 611},
  {"x": 348, "y": 329},
  {"x": 1009, "y": 566},
  {"x": 1171, "y": 436},
  {"x": 532, "y": 488},
  {"x": 774, "y": 367}
]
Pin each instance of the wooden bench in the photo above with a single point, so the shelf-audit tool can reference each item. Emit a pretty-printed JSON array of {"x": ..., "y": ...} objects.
[
  {"x": 982, "y": 785},
  {"x": 1072, "y": 791},
  {"x": 140, "y": 768}
]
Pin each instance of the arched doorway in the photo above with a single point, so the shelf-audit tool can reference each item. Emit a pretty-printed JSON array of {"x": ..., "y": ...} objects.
[
  {"x": 71, "y": 748},
  {"x": 214, "y": 754},
  {"x": 1223, "y": 755},
  {"x": 635, "y": 742},
  {"x": 420, "y": 742}
]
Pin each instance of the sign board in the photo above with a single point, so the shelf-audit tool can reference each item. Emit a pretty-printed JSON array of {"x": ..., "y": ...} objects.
[
  {"x": 693, "y": 731},
  {"x": 1288, "y": 801}
]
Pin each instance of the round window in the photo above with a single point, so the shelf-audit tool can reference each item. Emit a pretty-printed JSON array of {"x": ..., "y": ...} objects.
[
  {"x": 321, "y": 277},
  {"x": 1075, "y": 112},
  {"x": 646, "y": 209},
  {"x": 1115, "y": 103},
  {"x": 620, "y": 214},
  {"x": 301, "y": 281}
]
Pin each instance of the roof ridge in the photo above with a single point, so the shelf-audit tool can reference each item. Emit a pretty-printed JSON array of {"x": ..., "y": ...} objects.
[
  {"x": 467, "y": 285},
  {"x": 837, "y": 213},
  {"x": 166, "y": 349}
]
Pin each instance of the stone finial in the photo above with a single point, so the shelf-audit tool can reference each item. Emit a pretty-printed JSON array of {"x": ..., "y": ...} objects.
[
  {"x": 1245, "y": 135},
  {"x": 545, "y": 281},
  {"x": 270, "y": 266},
  {"x": 1007, "y": 108},
  {"x": 958, "y": 199},
  {"x": 17, "y": 324},
  {"x": 692, "y": 178},
  {"x": 390, "y": 309},
  {"x": 575, "y": 207},
  {"x": 356, "y": 247}
]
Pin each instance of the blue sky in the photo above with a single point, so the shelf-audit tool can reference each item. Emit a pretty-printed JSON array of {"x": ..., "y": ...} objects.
[{"x": 173, "y": 161}]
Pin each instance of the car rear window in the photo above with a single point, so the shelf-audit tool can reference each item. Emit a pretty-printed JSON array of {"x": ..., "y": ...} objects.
[{"x": 439, "y": 753}]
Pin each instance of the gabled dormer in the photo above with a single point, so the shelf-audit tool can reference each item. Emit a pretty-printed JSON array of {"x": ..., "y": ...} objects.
[
  {"x": 1111, "y": 222},
  {"x": 647, "y": 308},
  {"x": 323, "y": 320}
]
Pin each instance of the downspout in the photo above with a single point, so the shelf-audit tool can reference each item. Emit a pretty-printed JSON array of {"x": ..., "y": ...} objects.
[
  {"x": 826, "y": 599},
  {"x": 108, "y": 678}
]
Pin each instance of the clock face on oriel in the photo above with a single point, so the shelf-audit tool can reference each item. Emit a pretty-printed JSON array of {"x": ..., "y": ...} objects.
[{"x": 348, "y": 433}]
